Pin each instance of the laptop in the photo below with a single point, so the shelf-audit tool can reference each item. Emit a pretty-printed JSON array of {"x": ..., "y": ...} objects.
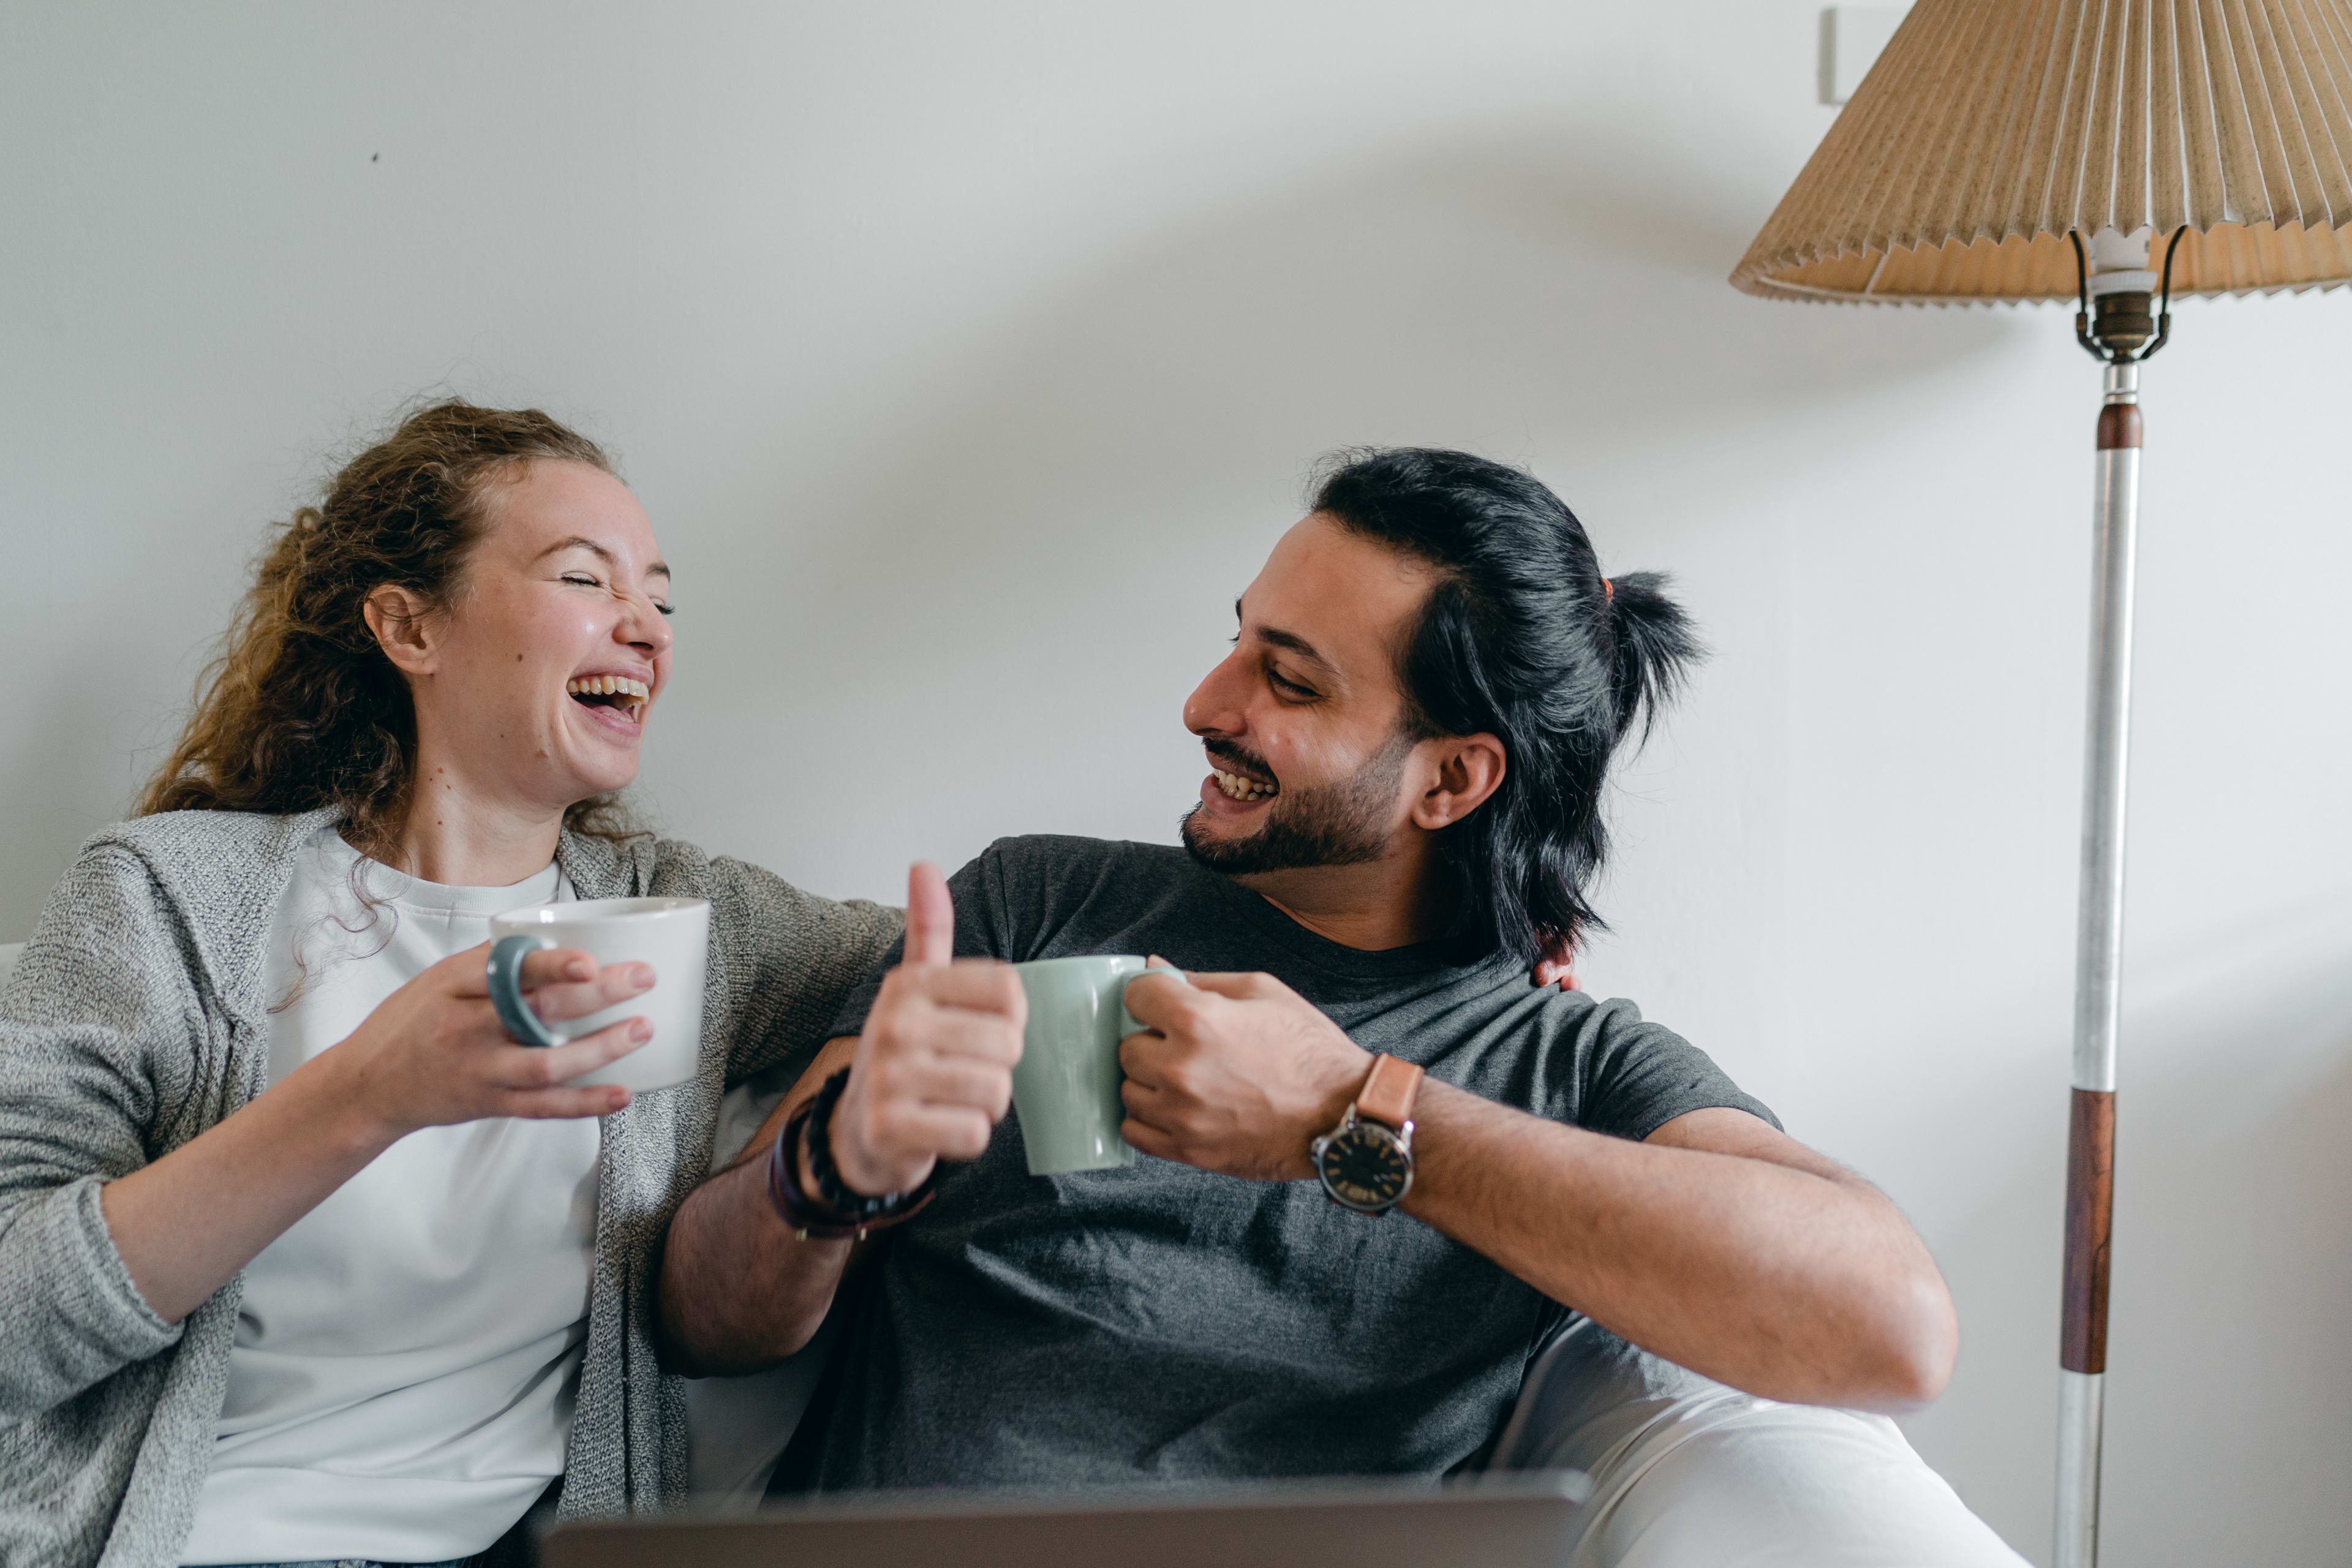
[{"x": 1522, "y": 1519}]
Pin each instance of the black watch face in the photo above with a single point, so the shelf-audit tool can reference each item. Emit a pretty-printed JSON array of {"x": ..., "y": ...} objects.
[{"x": 1366, "y": 1167}]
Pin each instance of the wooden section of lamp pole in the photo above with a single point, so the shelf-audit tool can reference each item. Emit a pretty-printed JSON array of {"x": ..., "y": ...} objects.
[
  {"x": 2120, "y": 426},
  {"x": 2090, "y": 1227}
]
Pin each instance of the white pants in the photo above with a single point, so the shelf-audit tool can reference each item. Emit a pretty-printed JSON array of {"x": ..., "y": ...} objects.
[{"x": 1689, "y": 1474}]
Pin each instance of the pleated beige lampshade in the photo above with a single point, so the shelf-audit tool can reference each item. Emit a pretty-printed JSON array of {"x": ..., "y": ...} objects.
[{"x": 1988, "y": 129}]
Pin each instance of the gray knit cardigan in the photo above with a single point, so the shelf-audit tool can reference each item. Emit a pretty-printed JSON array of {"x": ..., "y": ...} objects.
[{"x": 137, "y": 1019}]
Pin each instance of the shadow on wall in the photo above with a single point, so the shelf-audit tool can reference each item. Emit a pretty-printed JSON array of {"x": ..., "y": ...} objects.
[
  {"x": 58, "y": 779},
  {"x": 2227, "y": 1381},
  {"x": 1571, "y": 305}
]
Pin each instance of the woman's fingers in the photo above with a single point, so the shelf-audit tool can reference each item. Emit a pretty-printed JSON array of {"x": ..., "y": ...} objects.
[
  {"x": 440, "y": 1056},
  {"x": 532, "y": 1067},
  {"x": 469, "y": 972},
  {"x": 551, "y": 1104},
  {"x": 554, "y": 966},
  {"x": 613, "y": 986}
]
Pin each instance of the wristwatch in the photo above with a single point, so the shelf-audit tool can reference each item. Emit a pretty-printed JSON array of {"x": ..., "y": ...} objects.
[{"x": 1365, "y": 1162}]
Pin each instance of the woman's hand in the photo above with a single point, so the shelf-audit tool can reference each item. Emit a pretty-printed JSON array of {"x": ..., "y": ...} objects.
[
  {"x": 434, "y": 1052},
  {"x": 1556, "y": 965}
]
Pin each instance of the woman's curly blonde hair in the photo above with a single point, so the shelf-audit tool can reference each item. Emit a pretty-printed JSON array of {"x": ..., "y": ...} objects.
[{"x": 300, "y": 709}]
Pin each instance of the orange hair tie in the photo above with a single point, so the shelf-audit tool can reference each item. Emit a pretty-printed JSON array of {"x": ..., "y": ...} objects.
[{"x": 1607, "y": 590}]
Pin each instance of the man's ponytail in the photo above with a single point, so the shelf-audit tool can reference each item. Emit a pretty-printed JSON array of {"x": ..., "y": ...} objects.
[
  {"x": 1522, "y": 638},
  {"x": 1656, "y": 649}
]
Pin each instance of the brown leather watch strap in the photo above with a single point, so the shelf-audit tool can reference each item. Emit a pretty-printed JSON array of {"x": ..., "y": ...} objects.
[{"x": 1389, "y": 1093}]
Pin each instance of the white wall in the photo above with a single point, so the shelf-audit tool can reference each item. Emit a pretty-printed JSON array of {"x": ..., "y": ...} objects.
[{"x": 970, "y": 357}]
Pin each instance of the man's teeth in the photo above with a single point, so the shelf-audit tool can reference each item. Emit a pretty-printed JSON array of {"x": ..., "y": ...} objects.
[
  {"x": 1240, "y": 788},
  {"x": 632, "y": 693}
]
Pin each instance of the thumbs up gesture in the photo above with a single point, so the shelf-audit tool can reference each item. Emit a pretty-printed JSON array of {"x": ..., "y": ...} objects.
[{"x": 932, "y": 1074}]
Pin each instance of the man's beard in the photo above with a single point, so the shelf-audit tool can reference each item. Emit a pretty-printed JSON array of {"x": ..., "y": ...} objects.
[{"x": 1345, "y": 823}]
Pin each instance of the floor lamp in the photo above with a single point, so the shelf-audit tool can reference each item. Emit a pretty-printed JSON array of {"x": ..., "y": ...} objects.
[{"x": 2115, "y": 153}]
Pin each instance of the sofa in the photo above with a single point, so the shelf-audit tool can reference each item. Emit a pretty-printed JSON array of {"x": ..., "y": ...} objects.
[{"x": 1678, "y": 1469}]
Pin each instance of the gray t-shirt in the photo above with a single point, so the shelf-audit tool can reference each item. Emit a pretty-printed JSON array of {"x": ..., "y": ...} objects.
[{"x": 1162, "y": 1323}]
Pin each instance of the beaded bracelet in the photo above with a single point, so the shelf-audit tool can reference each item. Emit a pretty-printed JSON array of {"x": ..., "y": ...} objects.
[{"x": 837, "y": 1212}]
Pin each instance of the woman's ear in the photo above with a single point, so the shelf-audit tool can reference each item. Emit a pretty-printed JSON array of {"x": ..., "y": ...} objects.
[
  {"x": 1470, "y": 769},
  {"x": 402, "y": 623}
]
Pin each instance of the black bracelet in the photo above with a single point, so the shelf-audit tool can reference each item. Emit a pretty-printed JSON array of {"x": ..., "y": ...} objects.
[
  {"x": 793, "y": 1205},
  {"x": 831, "y": 1189},
  {"x": 851, "y": 1212}
]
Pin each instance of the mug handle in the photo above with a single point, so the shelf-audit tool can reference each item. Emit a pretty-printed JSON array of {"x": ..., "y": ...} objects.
[{"x": 506, "y": 990}]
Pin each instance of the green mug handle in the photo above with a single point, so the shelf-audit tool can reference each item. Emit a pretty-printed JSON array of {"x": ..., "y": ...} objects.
[{"x": 506, "y": 990}]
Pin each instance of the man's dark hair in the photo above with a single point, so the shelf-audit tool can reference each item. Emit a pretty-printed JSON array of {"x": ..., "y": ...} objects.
[{"x": 1521, "y": 637}]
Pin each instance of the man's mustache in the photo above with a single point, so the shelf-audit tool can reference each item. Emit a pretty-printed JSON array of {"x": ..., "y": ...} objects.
[{"x": 1239, "y": 760}]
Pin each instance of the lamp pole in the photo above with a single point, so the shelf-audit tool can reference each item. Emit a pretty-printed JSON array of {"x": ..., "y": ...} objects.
[
  {"x": 1989, "y": 138},
  {"x": 2098, "y": 975},
  {"x": 2116, "y": 326}
]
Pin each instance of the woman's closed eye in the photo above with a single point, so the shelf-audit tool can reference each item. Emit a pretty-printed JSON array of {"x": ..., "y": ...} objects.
[{"x": 590, "y": 580}]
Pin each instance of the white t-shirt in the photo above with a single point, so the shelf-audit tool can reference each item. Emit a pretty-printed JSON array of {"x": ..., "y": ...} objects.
[{"x": 407, "y": 1353}]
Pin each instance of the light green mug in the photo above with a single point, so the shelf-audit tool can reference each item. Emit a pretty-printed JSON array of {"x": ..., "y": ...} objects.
[{"x": 1067, "y": 1085}]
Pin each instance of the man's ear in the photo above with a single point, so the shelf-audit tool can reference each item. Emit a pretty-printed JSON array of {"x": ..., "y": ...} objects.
[
  {"x": 1470, "y": 769},
  {"x": 402, "y": 623}
]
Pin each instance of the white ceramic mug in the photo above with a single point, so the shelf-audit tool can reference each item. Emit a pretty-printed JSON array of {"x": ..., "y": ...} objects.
[{"x": 673, "y": 935}]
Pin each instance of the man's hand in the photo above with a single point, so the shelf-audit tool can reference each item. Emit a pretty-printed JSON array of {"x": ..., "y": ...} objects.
[
  {"x": 932, "y": 1074},
  {"x": 1239, "y": 1076}
]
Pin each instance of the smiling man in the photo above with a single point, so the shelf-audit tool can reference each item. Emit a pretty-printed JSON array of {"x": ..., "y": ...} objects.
[{"x": 1386, "y": 1174}]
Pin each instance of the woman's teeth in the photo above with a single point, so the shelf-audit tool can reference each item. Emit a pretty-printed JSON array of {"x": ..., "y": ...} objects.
[
  {"x": 1240, "y": 788},
  {"x": 627, "y": 694}
]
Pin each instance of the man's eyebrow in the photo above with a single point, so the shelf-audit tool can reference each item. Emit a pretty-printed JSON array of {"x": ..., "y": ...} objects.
[
  {"x": 1296, "y": 644},
  {"x": 1291, "y": 641},
  {"x": 581, "y": 541}
]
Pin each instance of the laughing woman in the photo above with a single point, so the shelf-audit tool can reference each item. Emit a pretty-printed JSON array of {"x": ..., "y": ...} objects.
[{"x": 300, "y": 1257}]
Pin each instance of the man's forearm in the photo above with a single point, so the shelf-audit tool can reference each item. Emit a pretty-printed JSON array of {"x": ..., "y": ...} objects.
[
  {"x": 929, "y": 1078},
  {"x": 1768, "y": 1267},
  {"x": 739, "y": 1290}
]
